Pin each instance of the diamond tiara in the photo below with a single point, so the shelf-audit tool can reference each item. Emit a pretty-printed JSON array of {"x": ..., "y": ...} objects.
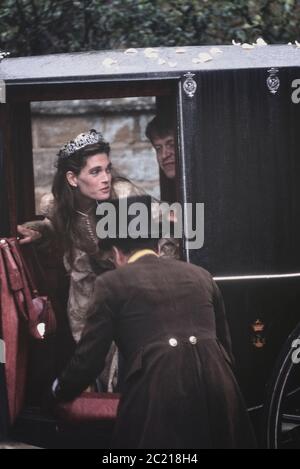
[{"x": 79, "y": 142}]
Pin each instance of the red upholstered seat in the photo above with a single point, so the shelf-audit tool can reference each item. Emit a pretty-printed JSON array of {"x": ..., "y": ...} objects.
[{"x": 15, "y": 335}]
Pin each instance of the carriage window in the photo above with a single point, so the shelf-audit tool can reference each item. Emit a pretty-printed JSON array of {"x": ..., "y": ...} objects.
[{"x": 123, "y": 123}]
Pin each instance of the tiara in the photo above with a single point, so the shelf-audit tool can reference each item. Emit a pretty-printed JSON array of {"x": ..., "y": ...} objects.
[{"x": 79, "y": 142}]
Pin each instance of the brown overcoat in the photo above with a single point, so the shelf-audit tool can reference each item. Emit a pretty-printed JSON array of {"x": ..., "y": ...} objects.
[{"x": 168, "y": 320}]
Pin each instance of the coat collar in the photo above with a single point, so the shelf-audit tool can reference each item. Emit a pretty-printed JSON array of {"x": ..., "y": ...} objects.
[{"x": 139, "y": 254}]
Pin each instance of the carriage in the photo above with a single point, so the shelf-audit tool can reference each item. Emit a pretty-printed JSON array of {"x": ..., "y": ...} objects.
[{"x": 237, "y": 127}]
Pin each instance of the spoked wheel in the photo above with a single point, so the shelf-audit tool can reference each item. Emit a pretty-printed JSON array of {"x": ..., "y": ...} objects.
[{"x": 282, "y": 408}]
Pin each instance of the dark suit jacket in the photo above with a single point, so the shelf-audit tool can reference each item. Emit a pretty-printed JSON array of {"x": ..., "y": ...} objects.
[{"x": 168, "y": 320}]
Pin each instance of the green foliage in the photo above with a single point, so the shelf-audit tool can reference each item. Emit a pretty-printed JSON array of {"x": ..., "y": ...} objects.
[{"x": 30, "y": 27}]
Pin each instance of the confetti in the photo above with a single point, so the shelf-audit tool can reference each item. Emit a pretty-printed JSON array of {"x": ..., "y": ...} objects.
[
  {"x": 247, "y": 46},
  {"x": 204, "y": 57},
  {"x": 152, "y": 55},
  {"x": 180, "y": 50},
  {"x": 215, "y": 50},
  {"x": 161, "y": 61},
  {"x": 131, "y": 51},
  {"x": 108, "y": 62},
  {"x": 149, "y": 50},
  {"x": 260, "y": 42}
]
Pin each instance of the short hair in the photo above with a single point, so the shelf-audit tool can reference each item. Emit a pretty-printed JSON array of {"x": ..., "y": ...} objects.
[
  {"x": 129, "y": 245},
  {"x": 160, "y": 126}
]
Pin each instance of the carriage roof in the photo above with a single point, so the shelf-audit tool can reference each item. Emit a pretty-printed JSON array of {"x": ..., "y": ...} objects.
[{"x": 164, "y": 62}]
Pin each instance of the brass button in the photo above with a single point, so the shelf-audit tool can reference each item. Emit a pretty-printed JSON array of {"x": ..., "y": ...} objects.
[
  {"x": 193, "y": 340},
  {"x": 173, "y": 342}
]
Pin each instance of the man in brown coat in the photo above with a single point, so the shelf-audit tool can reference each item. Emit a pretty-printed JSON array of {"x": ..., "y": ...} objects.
[{"x": 167, "y": 318}]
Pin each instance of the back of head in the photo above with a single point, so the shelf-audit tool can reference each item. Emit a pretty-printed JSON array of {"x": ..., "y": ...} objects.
[
  {"x": 128, "y": 224},
  {"x": 129, "y": 245}
]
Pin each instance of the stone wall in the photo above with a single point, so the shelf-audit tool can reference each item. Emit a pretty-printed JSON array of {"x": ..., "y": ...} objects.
[{"x": 122, "y": 122}]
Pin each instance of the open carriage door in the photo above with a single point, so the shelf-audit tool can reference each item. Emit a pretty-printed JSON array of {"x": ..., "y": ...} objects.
[
  {"x": 239, "y": 139},
  {"x": 17, "y": 203}
]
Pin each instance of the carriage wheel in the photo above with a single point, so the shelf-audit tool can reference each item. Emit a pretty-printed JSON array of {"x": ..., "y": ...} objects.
[{"x": 282, "y": 408}]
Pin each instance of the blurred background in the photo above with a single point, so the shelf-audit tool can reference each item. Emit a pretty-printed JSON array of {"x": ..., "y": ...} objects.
[{"x": 30, "y": 27}]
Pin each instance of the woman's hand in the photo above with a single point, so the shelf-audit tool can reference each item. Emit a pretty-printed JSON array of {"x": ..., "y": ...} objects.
[{"x": 29, "y": 235}]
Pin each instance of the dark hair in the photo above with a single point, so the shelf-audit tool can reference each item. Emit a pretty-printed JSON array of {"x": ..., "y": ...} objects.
[
  {"x": 160, "y": 126},
  {"x": 64, "y": 206},
  {"x": 129, "y": 245}
]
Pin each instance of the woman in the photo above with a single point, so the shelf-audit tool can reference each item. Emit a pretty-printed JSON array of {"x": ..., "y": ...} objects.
[{"x": 82, "y": 181}]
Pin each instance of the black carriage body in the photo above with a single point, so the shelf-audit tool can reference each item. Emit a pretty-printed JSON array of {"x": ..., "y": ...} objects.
[{"x": 238, "y": 154}]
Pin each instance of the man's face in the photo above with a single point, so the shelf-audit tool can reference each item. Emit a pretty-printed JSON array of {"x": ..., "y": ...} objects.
[{"x": 165, "y": 153}]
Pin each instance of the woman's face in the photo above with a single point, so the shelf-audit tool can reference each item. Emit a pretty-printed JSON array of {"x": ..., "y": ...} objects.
[{"x": 94, "y": 180}]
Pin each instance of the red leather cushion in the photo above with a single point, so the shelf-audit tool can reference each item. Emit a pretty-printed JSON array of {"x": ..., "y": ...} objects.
[
  {"x": 89, "y": 407},
  {"x": 15, "y": 335}
]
